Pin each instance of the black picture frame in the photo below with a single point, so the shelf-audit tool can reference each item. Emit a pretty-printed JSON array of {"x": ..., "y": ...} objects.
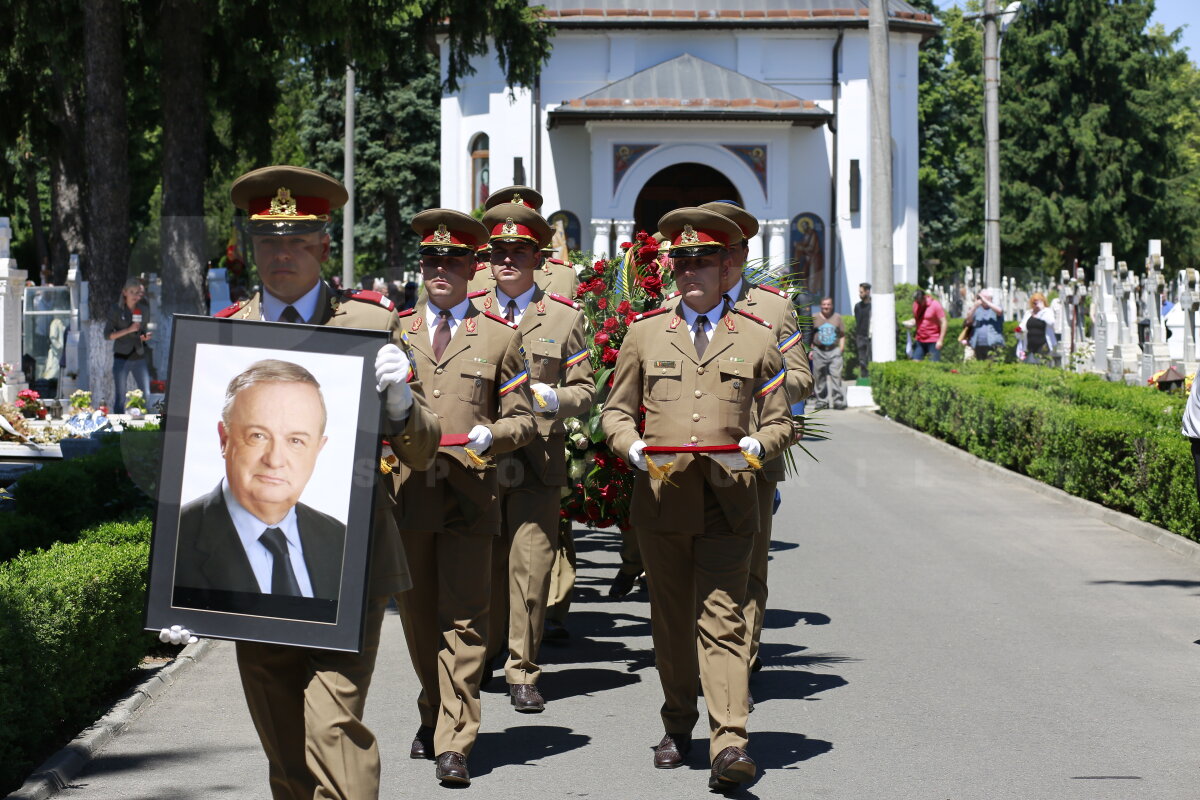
[{"x": 195, "y": 540}]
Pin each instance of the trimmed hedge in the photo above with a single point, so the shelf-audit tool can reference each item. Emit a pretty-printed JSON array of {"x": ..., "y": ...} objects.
[
  {"x": 72, "y": 632},
  {"x": 952, "y": 351},
  {"x": 1110, "y": 443},
  {"x": 55, "y": 502}
]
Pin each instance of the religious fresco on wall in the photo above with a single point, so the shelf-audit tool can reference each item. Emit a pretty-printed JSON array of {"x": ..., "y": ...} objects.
[
  {"x": 567, "y": 234},
  {"x": 807, "y": 256},
  {"x": 624, "y": 157},
  {"x": 753, "y": 156}
]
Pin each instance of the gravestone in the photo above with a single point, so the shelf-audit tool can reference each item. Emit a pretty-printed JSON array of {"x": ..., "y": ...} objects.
[
  {"x": 1156, "y": 356},
  {"x": 1189, "y": 303},
  {"x": 1124, "y": 356}
]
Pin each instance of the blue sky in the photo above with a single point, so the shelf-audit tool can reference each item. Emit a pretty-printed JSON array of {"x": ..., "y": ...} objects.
[{"x": 1171, "y": 13}]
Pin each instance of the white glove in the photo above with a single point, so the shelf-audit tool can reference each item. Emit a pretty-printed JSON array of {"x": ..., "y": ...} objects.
[
  {"x": 391, "y": 375},
  {"x": 479, "y": 439},
  {"x": 635, "y": 455},
  {"x": 176, "y": 634},
  {"x": 751, "y": 445},
  {"x": 549, "y": 395}
]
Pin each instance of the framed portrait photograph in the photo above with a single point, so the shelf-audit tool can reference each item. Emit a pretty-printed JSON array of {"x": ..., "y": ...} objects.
[{"x": 271, "y": 447}]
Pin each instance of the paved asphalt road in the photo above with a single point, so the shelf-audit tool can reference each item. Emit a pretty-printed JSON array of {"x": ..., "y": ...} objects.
[{"x": 935, "y": 632}]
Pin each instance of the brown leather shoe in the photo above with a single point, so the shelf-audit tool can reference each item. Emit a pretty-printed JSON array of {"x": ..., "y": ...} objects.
[
  {"x": 526, "y": 698},
  {"x": 422, "y": 743},
  {"x": 452, "y": 768},
  {"x": 731, "y": 768},
  {"x": 672, "y": 751}
]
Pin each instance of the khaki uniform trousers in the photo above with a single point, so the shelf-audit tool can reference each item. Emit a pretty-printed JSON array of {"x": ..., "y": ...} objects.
[
  {"x": 307, "y": 706},
  {"x": 755, "y": 608},
  {"x": 562, "y": 574},
  {"x": 445, "y": 617},
  {"x": 697, "y": 583},
  {"x": 631, "y": 554},
  {"x": 522, "y": 558}
]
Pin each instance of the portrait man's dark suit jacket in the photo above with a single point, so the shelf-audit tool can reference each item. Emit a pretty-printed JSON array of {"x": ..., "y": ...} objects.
[{"x": 210, "y": 554}]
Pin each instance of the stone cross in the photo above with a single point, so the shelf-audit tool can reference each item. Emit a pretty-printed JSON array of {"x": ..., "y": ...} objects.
[
  {"x": 1104, "y": 310},
  {"x": 1156, "y": 355},
  {"x": 1125, "y": 356},
  {"x": 12, "y": 285},
  {"x": 1189, "y": 303}
]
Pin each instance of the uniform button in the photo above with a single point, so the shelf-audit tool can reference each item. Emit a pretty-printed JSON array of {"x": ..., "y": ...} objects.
[
  {"x": 477, "y": 374},
  {"x": 408, "y": 439},
  {"x": 737, "y": 372},
  {"x": 695, "y": 417},
  {"x": 438, "y": 371},
  {"x": 699, "y": 370},
  {"x": 699, "y": 393},
  {"x": 695, "y": 439},
  {"x": 437, "y": 392}
]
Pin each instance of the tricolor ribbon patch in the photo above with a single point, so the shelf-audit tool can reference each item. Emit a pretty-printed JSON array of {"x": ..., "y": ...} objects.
[
  {"x": 575, "y": 359},
  {"x": 773, "y": 384},
  {"x": 514, "y": 382},
  {"x": 787, "y": 343}
]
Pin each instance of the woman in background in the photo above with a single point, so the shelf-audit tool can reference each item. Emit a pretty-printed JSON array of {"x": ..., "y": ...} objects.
[{"x": 1036, "y": 331}]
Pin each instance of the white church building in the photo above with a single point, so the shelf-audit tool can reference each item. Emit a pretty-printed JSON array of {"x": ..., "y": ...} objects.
[{"x": 647, "y": 105}]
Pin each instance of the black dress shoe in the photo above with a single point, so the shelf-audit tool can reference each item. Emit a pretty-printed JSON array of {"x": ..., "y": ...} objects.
[
  {"x": 526, "y": 698},
  {"x": 756, "y": 665},
  {"x": 422, "y": 743},
  {"x": 555, "y": 631},
  {"x": 452, "y": 768},
  {"x": 621, "y": 585},
  {"x": 731, "y": 768},
  {"x": 672, "y": 751}
]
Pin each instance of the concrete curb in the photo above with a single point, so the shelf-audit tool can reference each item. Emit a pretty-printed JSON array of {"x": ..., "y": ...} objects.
[
  {"x": 56, "y": 772},
  {"x": 1152, "y": 533}
]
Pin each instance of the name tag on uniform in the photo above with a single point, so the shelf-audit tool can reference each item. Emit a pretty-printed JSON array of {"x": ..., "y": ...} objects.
[
  {"x": 480, "y": 360},
  {"x": 738, "y": 360},
  {"x": 547, "y": 341},
  {"x": 665, "y": 364}
]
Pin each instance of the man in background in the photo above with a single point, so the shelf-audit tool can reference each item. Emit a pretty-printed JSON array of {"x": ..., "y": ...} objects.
[
  {"x": 829, "y": 342},
  {"x": 862, "y": 329}
]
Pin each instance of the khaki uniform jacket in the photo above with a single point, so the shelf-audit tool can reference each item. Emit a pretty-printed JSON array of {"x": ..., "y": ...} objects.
[
  {"x": 554, "y": 333},
  {"x": 413, "y": 441},
  {"x": 554, "y": 277},
  {"x": 733, "y": 391},
  {"x": 778, "y": 310},
  {"x": 480, "y": 380}
]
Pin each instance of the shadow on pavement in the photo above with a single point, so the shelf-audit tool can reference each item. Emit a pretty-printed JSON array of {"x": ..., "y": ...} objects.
[
  {"x": 783, "y": 750},
  {"x": 1170, "y": 582},
  {"x": 531, "y": 742},
  {"x": 792, "y": 684},
  {"x": 785, "y": 618},
  {"x": 584, "y": 681}
]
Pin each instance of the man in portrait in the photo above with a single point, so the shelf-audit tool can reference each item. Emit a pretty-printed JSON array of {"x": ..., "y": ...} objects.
[{"x": 251, "y": 534}]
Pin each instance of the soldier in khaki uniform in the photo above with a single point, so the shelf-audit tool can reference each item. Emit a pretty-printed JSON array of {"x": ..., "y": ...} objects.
[
  {"x": 775, "y": 307},
  {"x": 307, "y": 704},
  {"x": 478, "y": 386},
  {"x": 696, "y": 531},
  {"x": 554, "y": 276},
  {"x": 553, "y": 332}
]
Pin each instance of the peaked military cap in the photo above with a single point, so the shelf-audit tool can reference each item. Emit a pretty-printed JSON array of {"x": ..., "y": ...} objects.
[
  {"x": 743, "y": 218},
  {"x": 284, "y": 200},
  {"x": 445, "y": 232},
  {"x": 698, "y": 232},
  {"x": 512, "y": 222},
  {"x": 522, "y": 195}
]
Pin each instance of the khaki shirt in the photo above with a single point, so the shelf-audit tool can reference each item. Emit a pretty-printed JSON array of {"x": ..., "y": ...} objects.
[
  {"x": 479, "y": 380},
  {"x": 735, "y": 390},
  {"x": 414, "y": 441},
  {"x": 554, "y": 333}
]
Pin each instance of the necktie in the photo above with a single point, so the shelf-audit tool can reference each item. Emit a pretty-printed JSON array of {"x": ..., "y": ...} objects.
[
  {"x": 283, "y": 577},
  {"x": 441, "y": 336},
  {"x": 290, "y": 314},
  {"x": 701, "y": 335},
  {"x": 510, "y": 311}
]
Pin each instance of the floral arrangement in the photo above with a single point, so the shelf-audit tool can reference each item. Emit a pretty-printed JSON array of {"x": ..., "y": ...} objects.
[
  {"x": 29, "y": 403},
  {"x": 135, "y": 399},
  {"x": 611, "y": 294},
  {"x": 5, "y": 370},
  {"x": 81, "y": 400}
]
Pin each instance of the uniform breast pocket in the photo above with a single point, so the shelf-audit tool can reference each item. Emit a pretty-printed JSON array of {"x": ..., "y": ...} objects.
[
  {"x": 475, "y": 385},
  {"x": 737, "y": 379},
  {"x": 664, "y": 380},
  {"x": 544, "y": 363}
]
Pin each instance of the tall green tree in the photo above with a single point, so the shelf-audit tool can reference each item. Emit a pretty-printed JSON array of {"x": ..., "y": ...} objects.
[{"x": 1090, "y": 152}]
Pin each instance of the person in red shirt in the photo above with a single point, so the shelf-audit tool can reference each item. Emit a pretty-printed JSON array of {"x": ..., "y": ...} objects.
[{"x": 931, "y": 327}]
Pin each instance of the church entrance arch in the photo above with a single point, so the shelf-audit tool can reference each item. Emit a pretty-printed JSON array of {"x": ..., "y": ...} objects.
[{"x": 679, "y": 185}]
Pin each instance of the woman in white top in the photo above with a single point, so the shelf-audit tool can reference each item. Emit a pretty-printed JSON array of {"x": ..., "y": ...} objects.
[{"x": 1036, "y": 331}]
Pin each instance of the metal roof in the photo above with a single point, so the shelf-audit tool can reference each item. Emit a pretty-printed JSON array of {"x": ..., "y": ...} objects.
[
  {"x": 686, "y": 87},
  {"x": 728, "y": 13}
]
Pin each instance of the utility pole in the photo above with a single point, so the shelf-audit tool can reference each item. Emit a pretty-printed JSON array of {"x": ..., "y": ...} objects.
[
  {"x": 883, "y": 291},
  {"x": 348, "y": 209},
  {"x": 991, "y": 133}
]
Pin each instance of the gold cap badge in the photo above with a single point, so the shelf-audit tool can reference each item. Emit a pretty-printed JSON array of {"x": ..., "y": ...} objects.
[
  {"x": 510, "y": 227},
  {"x": 282, "y": 204},
  {"x": 689, "y": 236},
  {"x": 441, "y": 235}
]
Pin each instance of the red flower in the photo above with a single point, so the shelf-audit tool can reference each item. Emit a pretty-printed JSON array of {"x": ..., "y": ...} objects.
[
  {"x": 602, "y": 303},
  {"x": 598, "y": 286},
  {"x": 599, "y": 266},
  {"x": 609, "y": 356},
  {"x": 620, "y": 465},
  {"x": 626, "y": 245},
  {"x": 623, "y": 307},
  {"x": 652, "y": 284},
  {"x": 601, "y": 339},
  {"x": 581, "y": 290},
  {"x": 630, "y": 318},
  {"x": 611, "y": 324},
  {"x": 642, "y": 236}
]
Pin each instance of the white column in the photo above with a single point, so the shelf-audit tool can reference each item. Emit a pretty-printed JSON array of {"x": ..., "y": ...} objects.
[
  {"x": 777, "y": 247},
  {"x": 756, "y": 254},
  {"x": 625, "y": 232},
  {"x": 12, "y": 283},
  {"x": 600, "y": 234}
]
